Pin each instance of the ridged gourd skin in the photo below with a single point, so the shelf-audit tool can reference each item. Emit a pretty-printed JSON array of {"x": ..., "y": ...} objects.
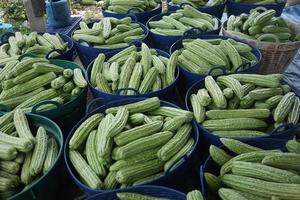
[
  {"x": 85, "y": 171},
  {"x": 130, "y": 195},
  {"x": 103, "y": 143},
  {"x": 110, "y": 181},
  {"x": 219, "y": 155},
  {"x": 215, "y": 92},
  {"x": 142, "y": 144},
  {"x": 284, "y": 107},
  {"x": 262, "y": 188},
  {"x": 51, "y": 157},
  {"x": 186, "y": 149},
  {"x": 256, "y": 156},
  {"x": 91, "y": 155},
  {"x": 293, "y": 146},
  {"x": 21, "y": 144},
  {"x": 227, "y": 194},
  {"x": 118, "y": 122},
  {"x": 137, "y": 132},
  {"x": 26, "y": 177},
  {"x": 204, "y": 97},
  {"x": 239, "y": 134},
  {"x": 82, "y": 132},
  {"x": 256, "y": 173},
  {"x": 39, "y": 152},
  {"x": 7, "y": 152},
  {"x": 198, "y": 109},
  {"x": 194, "y": 195},
  {"x": 22, "y": 125},
  {"x": 237, "y": 146},
  {"x": 141, "y": 106},
  {"x": 289, "y": 161},
  {"x": 214, "y": 183},
  {"x": 139, "y": 137},
  {"x": 293, "y": 116},
  {"x": 138, "y": 171},
  {"x": 264, "y": 172},
  {"x": 176, "y": 143},
  {"x": 238, "y": 113},
  {"x": 234, "y": 124},
  {"x": 142, "y": 157}
]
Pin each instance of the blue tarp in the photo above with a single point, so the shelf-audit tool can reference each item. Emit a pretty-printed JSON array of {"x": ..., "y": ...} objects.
[{"x": 292, "y": 74}]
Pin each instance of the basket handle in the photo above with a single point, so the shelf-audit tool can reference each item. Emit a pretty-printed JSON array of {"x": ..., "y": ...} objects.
[
  {"x": 94, "y": 103},
  {"x": 192, "y": 33},
  {"x": 32, "y": 194},
  {"x": 132, "y": 16},
  {"x": 136, "y": 42},
  {"x": 260, "y": 8},
  {"x": 25, "y": 55},
  {"x": 176, "y": 162},
  {"x": 283, "y": 126},
  {"x": 215, "y": 68},
  {"x": 276, "y": 39},
  {"x": 202, "y": 178},
  {"x": 81, "y": 40},
  {"x": 126, "y": 89},
  {"x": 5, "y": 36},
  {"x": 41, "y": 103},
  {"x": 4, "y": 107},
  {"x": 243, "y": 67},
  {"x": 133, "y": 9},
  {"x": 184, "y": 4},
  {"x": 52, "y": 51}
]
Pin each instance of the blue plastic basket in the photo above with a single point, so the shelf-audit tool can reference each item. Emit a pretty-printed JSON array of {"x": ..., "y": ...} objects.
[
  {"x": 68, "y": 114},
  {"x": 139, "y": 17},
  {"x": 67, "y": 55},
  {"x": 165, "y": 42},
  {"x": 46, "y": 186},
  {"x": 168, "y": 93},
  {"x": 216, "y": 11},
  {"x": 234, "y": 8},
  {"x": 211, "y": 167},
  {"x": 88, "y": 54},
  {"x": 155, "y": 191},
  {"x": 174, "y": 178},
  {"x": 285, "y": 131},
  {"x": 187, "y": 79}
]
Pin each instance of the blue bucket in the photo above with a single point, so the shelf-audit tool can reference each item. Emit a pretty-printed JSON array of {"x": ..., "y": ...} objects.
[
  {"x": 58, "y": 13},
  {"x": 155, "y": 191},
  {"x": 46, "y": 186},
  {"x": 168, "y": 93},
  {"x": 216, "y": 11},
  {"x": 211, "y": 167},
  {"x": 88, "y": 54},
  {"x": 68, "y": 114},
  {"x": 139, "y": 17},
  {"x": 67, "y": 55},
  {"x": 165, "y": 42},
  {"x": 5, "y": 27},
  {"x": 187, "y": 79},
  {"x": 234, "y": 8},
  {"x": 173, "y": 178},
  {"x": 285, "y": 131}
]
